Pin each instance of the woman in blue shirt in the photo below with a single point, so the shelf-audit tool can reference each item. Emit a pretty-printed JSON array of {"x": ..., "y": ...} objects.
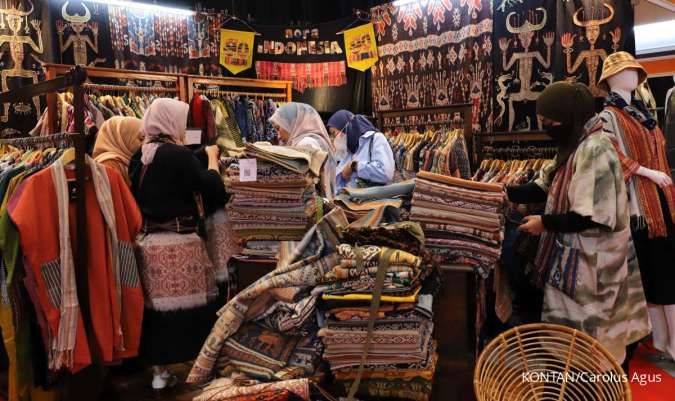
[{"x": 364, "y": 155}]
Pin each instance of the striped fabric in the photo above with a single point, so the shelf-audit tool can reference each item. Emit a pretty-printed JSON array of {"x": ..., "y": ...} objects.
[{"x": 51, "y": 274}]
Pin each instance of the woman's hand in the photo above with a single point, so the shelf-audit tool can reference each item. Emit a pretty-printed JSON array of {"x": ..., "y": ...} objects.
[
  {"x": 533, "y": 225},
  {"x": 659, "y": 178},
  {"x": 213, "y": 154}
]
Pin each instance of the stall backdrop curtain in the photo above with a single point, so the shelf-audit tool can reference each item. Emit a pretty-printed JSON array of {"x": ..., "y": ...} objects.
[
  {"x": 81, "y": 33},
  {"x": 434, "y": 53},
  {"x": 541, "y": 41}
]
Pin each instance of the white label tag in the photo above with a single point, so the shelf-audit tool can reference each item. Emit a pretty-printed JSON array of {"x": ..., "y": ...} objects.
[
  {"x": 193, "y": 137},
  {"x": 248, "y": 170}
]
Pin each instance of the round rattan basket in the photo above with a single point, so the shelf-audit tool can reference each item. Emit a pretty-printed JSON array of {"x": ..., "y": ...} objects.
[{"x": 548, "y": 362}]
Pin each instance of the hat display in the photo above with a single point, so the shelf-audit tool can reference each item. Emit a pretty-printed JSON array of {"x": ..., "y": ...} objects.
[{"x": 617, "y": 62}]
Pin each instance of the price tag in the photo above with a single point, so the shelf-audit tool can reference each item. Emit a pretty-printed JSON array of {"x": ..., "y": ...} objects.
[
  {"x": 248, "y": 170},
  {"x": 193, "y": 137}
]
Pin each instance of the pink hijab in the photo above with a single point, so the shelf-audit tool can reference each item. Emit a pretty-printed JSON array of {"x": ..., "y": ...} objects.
[{"x": 164, "y": 121}]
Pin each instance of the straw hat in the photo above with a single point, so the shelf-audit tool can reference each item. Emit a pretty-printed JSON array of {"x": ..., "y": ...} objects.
[{"x": 617, "y": 62}]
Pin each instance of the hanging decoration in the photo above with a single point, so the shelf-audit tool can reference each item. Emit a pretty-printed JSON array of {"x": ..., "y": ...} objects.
[
  {"x": 361, "y": 47},
  {"x": 310, "y": 56},
  {"x": 542, "y": 41},
  {"x": 589, "y": 31},
  {"x": 21, "y": 47},
  {"x": 78, "y": 30},
  {"x": 525, "y": 37},
  {"x": 434, "y": 53},
  {"x": 236, "y": 50}
]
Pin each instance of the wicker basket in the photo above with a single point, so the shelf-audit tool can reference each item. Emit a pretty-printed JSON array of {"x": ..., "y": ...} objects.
[{"x": 542, "y": 362}]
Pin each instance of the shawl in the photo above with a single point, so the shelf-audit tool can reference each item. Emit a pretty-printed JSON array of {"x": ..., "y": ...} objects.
[
  {"x": 640, "y": 142},
  {"x": 558, "y": 203},
  {"x": 116, "y": 142},
  {"x": 164, "y": 120},
  {"x": 61, "y": 353}
]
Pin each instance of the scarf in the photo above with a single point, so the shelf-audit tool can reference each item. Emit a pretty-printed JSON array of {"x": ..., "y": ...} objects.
[
  {"x": 165, "y": 118},
  {"x": 641, "y": 143},
  {"x": 117, "y": 141},
  {"x": 61, "y": 353},
  {"x": 549, "y": 254}
]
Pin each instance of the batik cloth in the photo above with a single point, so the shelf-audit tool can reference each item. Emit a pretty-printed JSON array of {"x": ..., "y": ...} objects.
[
  {"x": 227, "y": 389},
  {"x": 589, "y": 285}
]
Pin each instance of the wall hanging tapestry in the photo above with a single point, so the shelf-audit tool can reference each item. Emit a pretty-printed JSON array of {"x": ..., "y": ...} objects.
[
  {"x": 21, "y": 49},
  {"x": 542, "y": 41},
  {"x": 82, "y": 33},
  {"x": 311, "y": 56},
  {"x": 166, "y": 42},
  {"x": 434, "y": 53}
]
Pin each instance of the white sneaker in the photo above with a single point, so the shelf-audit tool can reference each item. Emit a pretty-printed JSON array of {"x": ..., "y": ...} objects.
[{"x": 163, "y": 380}]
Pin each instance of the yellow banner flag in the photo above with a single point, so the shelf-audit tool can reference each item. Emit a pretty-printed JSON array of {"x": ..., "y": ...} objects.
[
  {"x": 236, "y": 50},
  {"x": 361, "y": 47}
]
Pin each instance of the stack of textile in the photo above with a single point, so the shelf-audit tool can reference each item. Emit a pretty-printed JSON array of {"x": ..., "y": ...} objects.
[
  {"x": 401, "y": 357},
  {"x": 357, "y": 202},
  {"x": 273, "y": 207},
  {"x": 463, "y": 220}
]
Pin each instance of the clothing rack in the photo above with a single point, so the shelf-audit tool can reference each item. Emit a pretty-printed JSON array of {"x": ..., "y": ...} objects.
[
  {"x": 73, "y": 80},
  {"x": 516, "y": 137},
  {"x": 281, "y": 90},
  {"x": 175, "y": 83},
  {"x": 463, "y": 109}
]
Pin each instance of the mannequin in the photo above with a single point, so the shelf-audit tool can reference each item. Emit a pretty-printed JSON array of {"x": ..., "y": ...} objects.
[{"x": 641, "y": 147}]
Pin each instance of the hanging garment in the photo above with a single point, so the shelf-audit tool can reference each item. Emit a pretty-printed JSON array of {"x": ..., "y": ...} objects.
[
  {"x": 113, "y": 220},
  {"x": 669, "y": 128}
]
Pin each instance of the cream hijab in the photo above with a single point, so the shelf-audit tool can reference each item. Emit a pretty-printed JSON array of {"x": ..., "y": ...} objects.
[
  {"x": 117, "y": 141},
  {"x": 301, "y": 121}
]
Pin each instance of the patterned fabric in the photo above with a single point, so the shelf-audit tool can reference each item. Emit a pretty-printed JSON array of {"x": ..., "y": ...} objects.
[
  {"x": 607, "y": 301},
  {"x": 638, "y": 112},
  {"x": 176, "y": 271},
  {"x": 434, "y": 53},
  {"x": 302, "y": 268},
  {"x": 639, "y": 146},
  {"x": 304, "y": 75},
  {"x": 220, "y": 243},
  {"x": 228, "y": 389}
]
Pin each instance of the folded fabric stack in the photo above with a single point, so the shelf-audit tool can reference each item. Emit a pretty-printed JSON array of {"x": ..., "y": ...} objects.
[
  {"x": 401, "y": 358},
  {"x": 463, "y": 220},
  {"x": 272, "y": 206},
  {"x": 357, "y": 202}
]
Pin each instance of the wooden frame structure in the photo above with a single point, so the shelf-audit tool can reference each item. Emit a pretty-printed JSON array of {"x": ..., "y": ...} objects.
[
  {"x": 53, "y": 71},
  {"x": 281, "y": 90},
  {"x": 464, "y": 109}
]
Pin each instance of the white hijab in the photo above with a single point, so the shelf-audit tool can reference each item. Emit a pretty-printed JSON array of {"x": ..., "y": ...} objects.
[{"x": 165, "y": 119}]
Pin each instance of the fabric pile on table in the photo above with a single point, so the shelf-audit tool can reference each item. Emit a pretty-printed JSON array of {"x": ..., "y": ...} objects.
[
  {"x": 401, "y": 359},
  {"x": 357, "y": 202},
  {"x": 463, "y": 220},
  {"x": 273, "y": 206}
]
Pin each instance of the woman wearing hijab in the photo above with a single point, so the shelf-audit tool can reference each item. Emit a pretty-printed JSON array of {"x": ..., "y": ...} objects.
[
  {"x": 179, "y": 286},
  {"x": 364, "y": 154},
  {"x": 117, "y": 140},
  {"x": 584, "y": 233},
  {"x": 299, "y": 125}
]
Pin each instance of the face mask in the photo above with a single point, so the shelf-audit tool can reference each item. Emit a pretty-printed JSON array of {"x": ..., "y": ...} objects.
[
  {"x": 340, "y": 143},
  {"x": 558, "y": 132}
]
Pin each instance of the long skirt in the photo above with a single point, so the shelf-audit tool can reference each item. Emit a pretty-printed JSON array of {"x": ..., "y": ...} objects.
[{"x": 181, "y": 296}]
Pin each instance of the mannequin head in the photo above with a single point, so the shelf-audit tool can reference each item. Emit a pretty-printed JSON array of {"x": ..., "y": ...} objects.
[{"x": 624, "y": 81}]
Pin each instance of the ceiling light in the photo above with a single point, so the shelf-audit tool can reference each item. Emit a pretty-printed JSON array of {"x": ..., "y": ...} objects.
[
  {"x": 145, "y": 6},
  {"x": 653, "y": 38}
]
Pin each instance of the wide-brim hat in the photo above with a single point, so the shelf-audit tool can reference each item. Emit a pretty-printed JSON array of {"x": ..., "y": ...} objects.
[{"x": 617, "y": 62}]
